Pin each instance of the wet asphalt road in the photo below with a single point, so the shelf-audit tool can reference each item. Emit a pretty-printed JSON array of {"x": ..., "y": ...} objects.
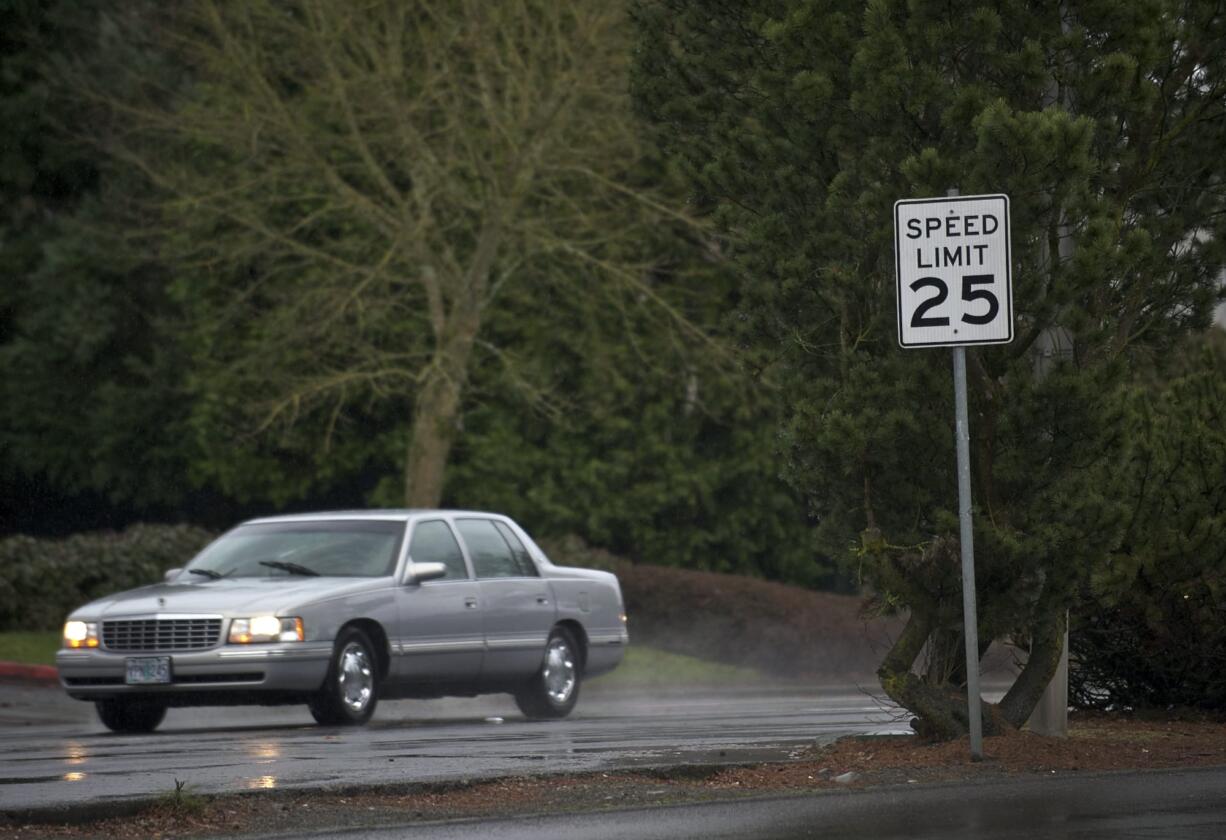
[
  {"x": 54, "y": 751},
  {"x": 1189, "y": 805}
]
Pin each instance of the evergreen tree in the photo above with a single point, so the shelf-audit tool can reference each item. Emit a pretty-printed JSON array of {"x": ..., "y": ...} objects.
[
  {"x": 801, "y": 123},
  {"x": 634, "y": 443},
  {"x": 91, "y": 410},
  {"x": 1149, "y": 631}
]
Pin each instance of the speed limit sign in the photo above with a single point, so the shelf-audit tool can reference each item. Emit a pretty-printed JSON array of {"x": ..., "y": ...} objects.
[{"x": 955, "y": 281}]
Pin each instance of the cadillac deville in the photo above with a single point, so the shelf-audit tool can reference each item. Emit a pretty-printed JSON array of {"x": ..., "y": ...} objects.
[{"x": 338, "y": 610}]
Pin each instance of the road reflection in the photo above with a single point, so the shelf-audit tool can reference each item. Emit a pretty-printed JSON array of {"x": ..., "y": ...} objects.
[{"x": 264, "y": 751}]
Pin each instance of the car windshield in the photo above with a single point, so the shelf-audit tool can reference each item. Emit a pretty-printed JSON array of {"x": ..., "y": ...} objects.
[{"x": 281, "y": 549}]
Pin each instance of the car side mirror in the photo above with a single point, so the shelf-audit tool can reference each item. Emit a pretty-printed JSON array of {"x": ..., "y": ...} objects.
[
  {"x": 422, "y": 572},
  {"x": 171, "y": 574}
]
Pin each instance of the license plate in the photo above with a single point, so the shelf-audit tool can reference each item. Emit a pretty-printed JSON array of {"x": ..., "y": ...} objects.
[{"x": 148, "y": 670}]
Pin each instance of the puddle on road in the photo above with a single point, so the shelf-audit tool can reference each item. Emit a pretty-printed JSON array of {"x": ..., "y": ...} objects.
[{"x": 264, "y": 751}]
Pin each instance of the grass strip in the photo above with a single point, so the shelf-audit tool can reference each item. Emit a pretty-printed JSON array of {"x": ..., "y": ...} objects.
[
  {"x": 645, "y": 666},
  {"x": 29, "y": 648}
]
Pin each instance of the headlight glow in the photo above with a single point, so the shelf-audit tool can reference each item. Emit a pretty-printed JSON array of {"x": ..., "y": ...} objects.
[
  {"x": 265, "y": 628},
  {"x": 81, "y": 634},
  {"x": 265, "y": 625}
]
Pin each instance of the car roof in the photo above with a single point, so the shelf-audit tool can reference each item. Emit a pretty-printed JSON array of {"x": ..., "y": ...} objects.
[{"x": 383, "y": 514}]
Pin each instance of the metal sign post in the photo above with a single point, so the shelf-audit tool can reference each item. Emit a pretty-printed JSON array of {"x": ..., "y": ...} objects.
[
  {"x": 970, "y": 616},
  {"x": 958, "y": 244}
]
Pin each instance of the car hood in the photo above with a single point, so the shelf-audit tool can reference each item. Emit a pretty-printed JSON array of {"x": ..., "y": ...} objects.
[{"x": 223, "y": 597}]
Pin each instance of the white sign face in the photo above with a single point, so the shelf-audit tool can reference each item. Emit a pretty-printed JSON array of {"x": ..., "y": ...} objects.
[{"x": 955, "y": 280}]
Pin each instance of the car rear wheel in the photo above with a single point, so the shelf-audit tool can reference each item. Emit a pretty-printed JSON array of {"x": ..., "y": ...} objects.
[
  {"x": 351, "y": 690},
  {"x": 554, "y": 690},
  {"x": 123, "y": 714}
]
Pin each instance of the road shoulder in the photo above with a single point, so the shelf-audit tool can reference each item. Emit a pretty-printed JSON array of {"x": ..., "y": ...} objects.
[{"x": 1099, "y": 745}]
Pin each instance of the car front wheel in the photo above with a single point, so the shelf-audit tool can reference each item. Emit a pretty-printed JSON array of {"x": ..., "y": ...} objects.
[
  {"x": 351, "y": 690},
  {"x": 554, "y": 690},
  {"x": 127, "y": 715}
]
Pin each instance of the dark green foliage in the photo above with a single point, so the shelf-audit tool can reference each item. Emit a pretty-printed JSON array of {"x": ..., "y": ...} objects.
[
  {"x": 139, "y": 337},
  {"x": 91, "y": 398},
  {"x": 1150, "y": 629},
  {"x": 801, "y": 123},
  {"x": 41, "y": 581},
  {"x": 660, "y": 455}
]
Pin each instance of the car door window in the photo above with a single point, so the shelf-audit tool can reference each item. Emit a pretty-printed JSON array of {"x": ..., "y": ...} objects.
[
  {"x": 490, "y": 553},
  {"x": 433, "y": 542},
  {"x": 523, "y": 560}
]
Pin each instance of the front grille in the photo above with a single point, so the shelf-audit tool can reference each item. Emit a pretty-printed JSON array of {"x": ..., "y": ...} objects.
[{"x": 157, "y": 634}]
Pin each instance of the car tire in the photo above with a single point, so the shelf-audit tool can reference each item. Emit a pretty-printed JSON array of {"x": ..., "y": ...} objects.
[
  {"x": 554, "y": 689},
  {"x": 351, "y": 689},
  {"x": 127, "y": 715}
]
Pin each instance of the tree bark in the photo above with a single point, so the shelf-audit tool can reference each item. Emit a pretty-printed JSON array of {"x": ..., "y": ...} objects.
[
  {"x": 941, "y": 710},
  {"x": 1046, "y": 647},
  {"x": 436, "y": 410},
  {"x": 436, "y": 413}
]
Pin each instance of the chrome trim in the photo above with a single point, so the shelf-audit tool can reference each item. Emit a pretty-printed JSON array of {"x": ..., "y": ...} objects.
[
  {"x": 520, "y": 642},
  {"x": 607, "y": 638},
  {"x": 162, "y": 633},
  {"x": 313, "y": 651},
  {"x": 159, "y": 616},
  {"x": 407, "y": 648}
]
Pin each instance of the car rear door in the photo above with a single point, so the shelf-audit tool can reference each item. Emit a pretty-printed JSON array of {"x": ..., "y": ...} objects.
[
  {"x": 439, "y": 638},
  {"x": 517, "y": 605}
]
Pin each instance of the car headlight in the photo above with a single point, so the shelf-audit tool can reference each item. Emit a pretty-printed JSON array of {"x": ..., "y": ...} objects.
[
  {"x": 81, "y": 634},
  {"x": 265, "y": 628}
]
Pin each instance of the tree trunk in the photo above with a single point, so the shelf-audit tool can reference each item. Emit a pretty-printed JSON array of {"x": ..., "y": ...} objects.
[
  {"x": 1046, "y": 648},
  {"x": 941, "y": 710},
  {"x": 436, "y": 414},
  {"x": 946, "y": 657},
  {"x": 436, "y": 411}
]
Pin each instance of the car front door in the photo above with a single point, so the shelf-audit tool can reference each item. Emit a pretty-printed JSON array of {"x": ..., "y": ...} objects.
[
  {"x": 439, "y": 638},
  {"x": 516, "y": 602}
]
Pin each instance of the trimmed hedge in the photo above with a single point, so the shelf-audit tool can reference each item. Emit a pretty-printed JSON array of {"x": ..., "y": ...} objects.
[
  {"x": 780, "y": 630},
  {"x": 41, "y": 581}
]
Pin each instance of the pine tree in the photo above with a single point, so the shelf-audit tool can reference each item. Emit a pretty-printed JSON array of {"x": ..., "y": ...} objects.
[{"x": 800, "y": 123}]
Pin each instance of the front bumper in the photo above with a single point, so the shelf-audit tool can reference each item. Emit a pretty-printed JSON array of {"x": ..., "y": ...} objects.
[{"x": 225, "y": 670}]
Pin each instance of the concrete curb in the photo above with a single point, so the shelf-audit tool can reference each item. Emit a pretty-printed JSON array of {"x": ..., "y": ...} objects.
[{"x": 29, "y": 673}]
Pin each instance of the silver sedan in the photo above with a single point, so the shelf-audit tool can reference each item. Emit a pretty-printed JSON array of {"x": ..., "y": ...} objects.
[{"x": 340, "y": 609}]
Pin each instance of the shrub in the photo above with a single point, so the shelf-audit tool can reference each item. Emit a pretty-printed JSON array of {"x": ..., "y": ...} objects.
[
  {"x": 781, "y": 630},
  {"x": 1150, "y": 632},
  {"x": 42, "y": 580}
]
